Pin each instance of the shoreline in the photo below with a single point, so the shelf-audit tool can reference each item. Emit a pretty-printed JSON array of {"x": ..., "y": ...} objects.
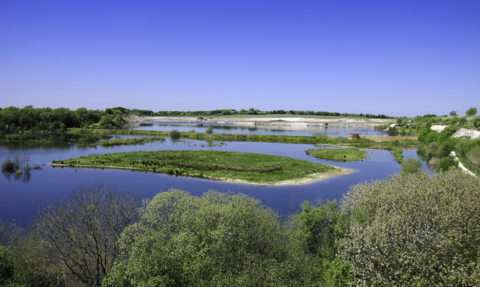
[
  {"x": 311, "y": 178},
  {"x": 268, "y": 120}
]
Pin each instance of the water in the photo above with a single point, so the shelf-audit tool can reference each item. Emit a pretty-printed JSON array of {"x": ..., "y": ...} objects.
[
  {"x": 290, "y": 130},
  {"x": 21, "y": 196}
]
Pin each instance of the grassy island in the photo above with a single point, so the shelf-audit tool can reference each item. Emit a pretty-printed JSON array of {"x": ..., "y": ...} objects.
[
  {"x": 344, "y": 154},
  {"x": 247, "y": 168}
]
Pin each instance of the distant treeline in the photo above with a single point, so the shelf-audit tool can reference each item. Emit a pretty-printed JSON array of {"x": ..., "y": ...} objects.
[
  {"x": 29, "y": 118},
  {"x": 250, "y": 111}
]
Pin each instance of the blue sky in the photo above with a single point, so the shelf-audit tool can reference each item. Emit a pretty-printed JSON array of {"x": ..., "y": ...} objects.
[{"x": 392, "y": 57}]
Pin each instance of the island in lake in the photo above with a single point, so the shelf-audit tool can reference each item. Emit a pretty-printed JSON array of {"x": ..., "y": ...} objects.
[{"x": 235, "y": 167}]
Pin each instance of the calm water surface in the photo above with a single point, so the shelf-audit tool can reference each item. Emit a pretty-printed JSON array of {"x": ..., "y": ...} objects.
[
  {"x": 236, "y": 129},
  {"x": 21, "y": 196}
]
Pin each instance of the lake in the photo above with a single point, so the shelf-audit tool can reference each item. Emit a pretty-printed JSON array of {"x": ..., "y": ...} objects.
[
  {"x": 290, "y": 130},
  {"x": 20, "y": 196}
]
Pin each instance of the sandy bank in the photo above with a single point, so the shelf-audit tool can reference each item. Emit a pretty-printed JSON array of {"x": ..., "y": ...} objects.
[
  {"x": 273, "y": 120},
  {"x": 306, "y": 180}
]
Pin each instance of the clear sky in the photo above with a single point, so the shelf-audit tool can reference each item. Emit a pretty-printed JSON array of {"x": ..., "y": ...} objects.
[{"x": 400, "y": 58}]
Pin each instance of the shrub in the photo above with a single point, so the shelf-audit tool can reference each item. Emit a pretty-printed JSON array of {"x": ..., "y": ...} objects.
[
  {"x": 445, "y": 163},
  {"x": 474, "y": 155},
  {"x": 209, "y": 130},
  {"x": 412, "y": 165},
  {"x": 174, "y": 135},
  {"x": 414, "y": 230},
  {"x": 445, "y": 148},
  {"x": 431, "y": 149},
  {"x": 216, "y": 240},
  {"x": 8, "y": 165}
]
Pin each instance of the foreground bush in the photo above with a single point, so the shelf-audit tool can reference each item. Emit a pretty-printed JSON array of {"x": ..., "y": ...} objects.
[
  {"x": 415, "y": 230},
  {"x": 412, "y": 165},
  {"x": 216, "y": 240}
]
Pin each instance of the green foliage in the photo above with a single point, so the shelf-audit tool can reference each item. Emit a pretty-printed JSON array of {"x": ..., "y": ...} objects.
[
  {"x": 8, "y": 165},
  {"x": 130, "y": 141},
  {"x": 431, "y": 149},
  {"x": 419, "y": 228},
  {"x": 398, "y": 154},
  {"x": 412, "y": 165},
  {"x": 471, "y": 112},
  {"x": 216, "y": 240},
  {"x": 209, "y": 130},
  {"x": 259, "y": 168},
  {"x": 445, "y": 148},
  {"x": 474, "y": 155},
  {"x": 341, "y": 154},
  {"x": 174, "y": 134},
  {"x": 453, "y": 113},
  {"x": 445, "y": 163}
]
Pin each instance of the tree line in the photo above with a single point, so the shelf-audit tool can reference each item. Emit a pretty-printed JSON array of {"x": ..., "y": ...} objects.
[
  {"x": 35, "y": 119},
  {"x": 251, "y": 111},
  {"x": 413, "y": 229}
]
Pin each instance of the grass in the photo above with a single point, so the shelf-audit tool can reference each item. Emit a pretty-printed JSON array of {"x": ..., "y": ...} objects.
[
  {"x": 132, "y": 141},
  {"x": 252, "y": 167},
  {"x": 344, "y": 154}
]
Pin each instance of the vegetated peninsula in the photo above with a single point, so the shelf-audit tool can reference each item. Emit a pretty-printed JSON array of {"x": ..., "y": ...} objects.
[
  {"x": 343, "y": 154},
  {"x": 236, "y": 167}
]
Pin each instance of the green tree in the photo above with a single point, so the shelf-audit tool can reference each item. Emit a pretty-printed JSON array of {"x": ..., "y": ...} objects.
[
  {"x": 471, "y": 111},
  {"x": 416, "y": 229},
  {"x": 216, "y": 240},
  {"x": 453, "y": 113}
]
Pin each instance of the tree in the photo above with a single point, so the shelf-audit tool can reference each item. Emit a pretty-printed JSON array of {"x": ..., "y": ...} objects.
[
  {"x": 174, "y": 135},
  {"x": 216, "y": 240},
  {"x": 471, "y": 111},
  {"x": 415, "y": 229},
  {"x": 82, "y": 230},
  {"x": 453, "y": 113}
]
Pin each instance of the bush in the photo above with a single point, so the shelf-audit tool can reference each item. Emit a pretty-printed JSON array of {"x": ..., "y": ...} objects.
[
  {"x": 414, "y": 230},
  {"x": 209, "y": 130},
  {"x": 174, "y": 135},
  {"x": 412, "y": 165},
  {"x": 431, "y": 149},
  {"x": 216, "y": 240},
  {"x": 474, "y": 155},
  {"x": 445, "y": 148},
  {"x": 8, "y": 165},
  {"x": 445, "y": 163}
]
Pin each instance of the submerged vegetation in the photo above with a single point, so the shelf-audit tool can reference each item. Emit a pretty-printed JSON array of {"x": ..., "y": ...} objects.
[
  {"x": 258, "y": 168},
  {"x": 342, "y": 154},
  {"x": 384, "y": 233}
]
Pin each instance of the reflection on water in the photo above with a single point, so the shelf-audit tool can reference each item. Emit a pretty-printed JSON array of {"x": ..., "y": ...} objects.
[{"x": 293, "y": 130}]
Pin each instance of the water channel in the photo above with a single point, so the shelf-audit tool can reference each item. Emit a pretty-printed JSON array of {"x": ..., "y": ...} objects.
[{"x": 20, "y": 196}]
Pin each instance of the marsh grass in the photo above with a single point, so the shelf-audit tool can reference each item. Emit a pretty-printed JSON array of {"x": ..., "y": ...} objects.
[
  {"x": 215, "y": 164},
  {"x": 131, "y": 141},
  {"x": 344, "y": 154}
]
